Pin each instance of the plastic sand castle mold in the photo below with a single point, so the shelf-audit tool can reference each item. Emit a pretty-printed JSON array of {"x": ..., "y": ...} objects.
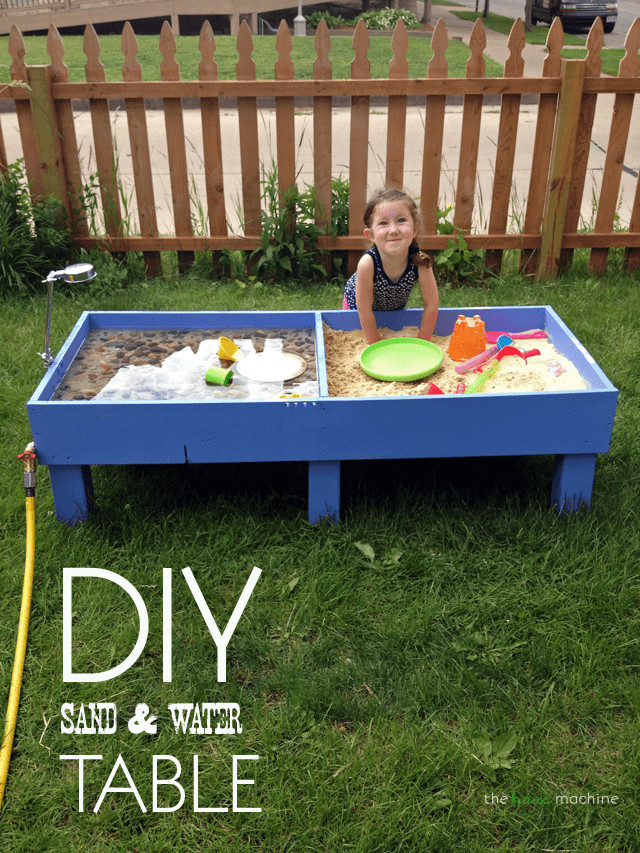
[
  {"x": 468, "y": 338},
  {"x": 401, "y": 359}
]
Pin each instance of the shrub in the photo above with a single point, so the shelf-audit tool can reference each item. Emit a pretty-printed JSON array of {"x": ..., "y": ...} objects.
[
  {"x": 332, "y": 21},
  {"x": 289, "y": 239},
  {"x": 386, "y": 19},
  {"x": 34, "y": 235},
  {"x": 288, "y": 243}
]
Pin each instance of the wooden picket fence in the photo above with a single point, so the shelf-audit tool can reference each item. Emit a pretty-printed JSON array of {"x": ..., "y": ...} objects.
[{"x": 567, "y": 94}]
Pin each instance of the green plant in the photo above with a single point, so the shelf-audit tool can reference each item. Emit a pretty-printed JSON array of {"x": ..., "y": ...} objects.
[
  {"x": 386, "y": 19},
  {"x": 288, "y": 243},
  {"x": 34, "y": 236},
  {"x": 332, "y": 21},
  {"x": 289, "y": 238},
  {"x": 457, "y": 263},
  {"x": 339, "y": 224}
]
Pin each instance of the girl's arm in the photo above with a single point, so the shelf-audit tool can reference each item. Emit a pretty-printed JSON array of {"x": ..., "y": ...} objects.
[
  {"x": 364, "y": 299},
  {"x": 431, "y": 300}
]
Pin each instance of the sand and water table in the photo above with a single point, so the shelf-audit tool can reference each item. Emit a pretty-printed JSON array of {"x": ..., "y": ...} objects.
[{"x": 75, "y": 428}]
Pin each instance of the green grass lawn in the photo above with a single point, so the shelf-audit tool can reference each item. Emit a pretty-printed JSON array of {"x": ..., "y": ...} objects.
[
  {"x": 452, "y": 639},
  {"x": 265, "y": 56}
]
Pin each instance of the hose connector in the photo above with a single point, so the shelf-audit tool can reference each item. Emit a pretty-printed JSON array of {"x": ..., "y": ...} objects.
[{"x": 29, "y": 461}]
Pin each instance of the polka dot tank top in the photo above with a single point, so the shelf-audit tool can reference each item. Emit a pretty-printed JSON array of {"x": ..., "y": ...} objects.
[{"x": 387, "y": 295}]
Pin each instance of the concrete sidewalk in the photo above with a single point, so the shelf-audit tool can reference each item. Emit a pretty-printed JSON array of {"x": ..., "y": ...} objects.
[
  {"x": 496, "y": 49},
  {"x": 497, "y": 44}
]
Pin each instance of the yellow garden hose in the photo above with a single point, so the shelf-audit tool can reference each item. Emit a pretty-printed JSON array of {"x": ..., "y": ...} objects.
[{"x": 29, "y": 460}]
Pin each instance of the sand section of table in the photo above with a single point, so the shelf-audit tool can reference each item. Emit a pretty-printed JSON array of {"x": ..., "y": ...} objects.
[{"x": 548, "y": 371}]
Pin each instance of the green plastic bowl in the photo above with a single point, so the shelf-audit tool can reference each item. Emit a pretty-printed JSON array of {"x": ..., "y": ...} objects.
[{"x": 401, "y": 359}]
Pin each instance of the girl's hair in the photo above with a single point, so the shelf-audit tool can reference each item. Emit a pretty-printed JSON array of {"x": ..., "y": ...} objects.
[{"x": 419, "y": 258}]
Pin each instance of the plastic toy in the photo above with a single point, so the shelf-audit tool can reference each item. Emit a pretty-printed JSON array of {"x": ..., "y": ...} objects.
[
  {"x": 509, "y": 350},
  {"x": 401, "y": 359},
  {"x": 467, "y": 338},
  {"x": 492, "y": 337},
  {"x": 228, "y": 350},
  {"x": 555, "y": 368},
  {"x": 218, "y": 375},
  {"x": 433, "y": 389},
  {"x": 479, "y": 383},
  {"x": 272, "y": 366},
  {"x": 477, "y": 360}
]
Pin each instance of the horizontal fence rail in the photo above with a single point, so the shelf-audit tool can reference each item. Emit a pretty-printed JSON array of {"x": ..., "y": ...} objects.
[{"x": 547, "y": 231}]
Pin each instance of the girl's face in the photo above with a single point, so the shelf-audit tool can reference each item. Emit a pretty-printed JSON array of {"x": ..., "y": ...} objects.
[{"x": 392, "y": 228}]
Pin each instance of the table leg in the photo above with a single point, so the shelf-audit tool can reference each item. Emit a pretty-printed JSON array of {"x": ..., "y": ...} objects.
[
  {"x": 72, "y": 492},
  {"x": 324, "y": 491},
  {"x": 573, "y": 475}
]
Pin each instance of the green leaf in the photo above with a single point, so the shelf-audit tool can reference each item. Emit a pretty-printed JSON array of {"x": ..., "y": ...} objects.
[
  {"x": 392, "y": 558},
  {"x": 504, "y": 744},
  {"x": 366, "y": 549}
]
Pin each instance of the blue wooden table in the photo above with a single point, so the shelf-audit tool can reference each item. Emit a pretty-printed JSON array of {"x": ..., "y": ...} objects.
[{"x": 71, "y": 436}]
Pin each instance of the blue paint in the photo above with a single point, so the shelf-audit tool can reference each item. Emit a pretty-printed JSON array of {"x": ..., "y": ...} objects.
[{"x": 575, "y": 426}]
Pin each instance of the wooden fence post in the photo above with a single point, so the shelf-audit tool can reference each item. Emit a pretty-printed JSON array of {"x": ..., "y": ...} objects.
[
  {"x": 47, "y": 135},
  {"x": 564, "y": 139}
]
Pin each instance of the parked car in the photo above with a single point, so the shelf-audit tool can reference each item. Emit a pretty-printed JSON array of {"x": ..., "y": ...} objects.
[{"x": 579, "y": 14}]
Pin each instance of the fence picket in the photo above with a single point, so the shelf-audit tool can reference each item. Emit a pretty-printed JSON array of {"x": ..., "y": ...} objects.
[
  {"x": 68, "y": 140},
  {"x": 397, "y": 110},
  {"x": 587, "y": 111},
  {"x": 176, "y": 151},
  {"x": 322, "y": 130},
  {"x": 616, "y": 148},
  {"x": 212, "y": 140},
  {"x": 285, "y": 117},
  {"x": 506, "y": 148},
  {"x": 470, "y": 134},
  {"x": 433, "y": 134},
  {"x": 359, "y": 139},
  {"x": 547, "y": 106},
  {"x": 140, "y": 154},
  {"x": 30, "y": 154},
  {"x": 102, "y": 137},
  {"x": 248, "y": 125}
]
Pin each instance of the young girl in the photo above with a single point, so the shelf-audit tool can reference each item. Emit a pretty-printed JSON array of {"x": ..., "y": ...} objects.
[{"x": 386, "y": 273}]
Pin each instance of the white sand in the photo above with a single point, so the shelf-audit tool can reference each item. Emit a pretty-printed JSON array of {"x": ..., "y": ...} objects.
[{"x": 548, "y": 371}]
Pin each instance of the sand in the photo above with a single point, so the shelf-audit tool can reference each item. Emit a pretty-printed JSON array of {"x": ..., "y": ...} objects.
[{"x": 548, "y": 371}]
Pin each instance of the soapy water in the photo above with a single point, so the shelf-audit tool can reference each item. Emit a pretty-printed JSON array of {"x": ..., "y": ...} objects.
[{"x": 181, "y": 376}]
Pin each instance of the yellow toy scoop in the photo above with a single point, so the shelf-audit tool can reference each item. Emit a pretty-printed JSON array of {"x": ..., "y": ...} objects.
[{"x": 228, "y": 350}]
